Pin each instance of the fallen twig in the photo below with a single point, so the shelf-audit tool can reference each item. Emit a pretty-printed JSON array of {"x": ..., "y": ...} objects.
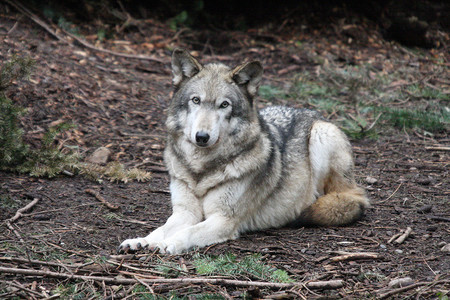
[
  {"x": 89, "y": 46},
  {"x": 101, "y": 199},
  {"x": 392, "y": 193},
  {"x": 22, "y": 9},
  {"x": 403, "y": 237},
  {"x": 21, "y": 287},
  {"x": 438, "y": 148},
  {"x": 439, "y": 218},
  {"x": 333, "y": 284},
  {"x": 35, "y": 262},
  {"x": 395, "y": 236},
  {"x": 357, "y": 255},
  {"x": 20, "y": 211},
  {"x": 325, "y": 285},
  {"x": 409, "y": 287}
]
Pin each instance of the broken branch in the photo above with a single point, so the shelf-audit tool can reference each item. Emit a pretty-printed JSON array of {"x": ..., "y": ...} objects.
[
  {"x": 101, "y": 199},
  {"x": 20, "y": 211},
  {"x": 403, "y": 237},
  {"x": 332, "y": 284},
  {"x": 358, "y": 255},
  {"x": 325, "y": 285}
]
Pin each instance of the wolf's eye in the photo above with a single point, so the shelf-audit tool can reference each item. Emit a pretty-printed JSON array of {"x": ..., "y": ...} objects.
[
  {"x": 196, "y": 100},
  {"x": 224, "y": 104}
]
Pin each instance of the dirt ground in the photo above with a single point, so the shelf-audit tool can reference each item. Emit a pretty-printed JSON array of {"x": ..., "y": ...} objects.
[{"x": 120, "y": 103}]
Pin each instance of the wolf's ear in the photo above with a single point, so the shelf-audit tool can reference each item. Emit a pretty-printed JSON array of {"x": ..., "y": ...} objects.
[
  {"x": 248, "y": 75},
  {"x": 184, "y": 66}
]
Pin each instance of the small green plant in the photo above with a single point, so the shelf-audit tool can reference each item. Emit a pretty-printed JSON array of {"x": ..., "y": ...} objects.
[
  {"x": 406, "y": 118},
  {"x": 76, "y": 291},
  {"x": 426, "y": 92},
  {"x": 229, "y": 265},
  {"x": 12, "y": 148},
  {"x": 49, "y": 160},
  {"x": 169, "y": 269},
  {"x": 6, "y": 202},
  {"x": 271, "y": 92}
]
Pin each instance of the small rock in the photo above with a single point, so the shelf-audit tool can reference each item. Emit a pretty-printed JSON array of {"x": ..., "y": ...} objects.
[
  {"x": 398, "y": 251},
  {"x": 424, "y": 181},
  {"x": 425, "y": 209},
  {"x": 401, "y": 282},
  {"x": 382, "y": 246},
  {"x": 371, "y": 180},
  {"x": 446, "y": 248},
  {"x": 432, "y": 228},
  {"x": 100, "y": 156}
]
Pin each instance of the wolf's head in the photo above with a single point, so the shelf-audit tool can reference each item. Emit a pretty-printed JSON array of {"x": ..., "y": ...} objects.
[{"x": 212, "y": 102}]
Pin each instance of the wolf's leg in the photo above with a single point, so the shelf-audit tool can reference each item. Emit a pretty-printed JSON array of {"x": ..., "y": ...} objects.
[
  {"x": 186, "y": 212},
  {"x": 341, "y": 201},
  {"x": 215, "y": 229}
]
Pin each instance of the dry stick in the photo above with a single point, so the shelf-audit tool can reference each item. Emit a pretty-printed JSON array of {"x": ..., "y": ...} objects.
[
  {"x": 101, "y": 199},
  {"x": 403, "y": 237},
  {"x": 394, "y": 237},
  {"x": 332, "y": 284},
  {"x": 17, "y": 5},
  {"x": 145, "y": 284},
  {"x": 22, "y": 210},
  {"x": 359, "y": 255},
  {"x": 325, "y": 285},
  {"x": 17, "y": 216},
  {"x": 409, "y": 287},
  {"x": 21, "y": 287},
  {"x": 89, "y": 46},
  {"x": 392, "y": 193},
  {"x": 438, "y": 148},
  {"x": 36, "y": 262}
]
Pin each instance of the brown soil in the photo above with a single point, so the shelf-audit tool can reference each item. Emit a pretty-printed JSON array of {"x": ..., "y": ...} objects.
[{"x": 120, "y": 103}]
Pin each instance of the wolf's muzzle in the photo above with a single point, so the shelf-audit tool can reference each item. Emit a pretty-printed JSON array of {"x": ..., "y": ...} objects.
[{"x": 202, "y": 138}]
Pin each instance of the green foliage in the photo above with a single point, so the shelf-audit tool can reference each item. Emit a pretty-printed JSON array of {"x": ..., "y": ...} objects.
[
  {"x": 12, "y": 148},
  {"x": 179, "y": 20},
  {"x": 76, "y": 291},
  {"x": 16, "y": 68},
  {"x": 229, "y": 265},
  {"x": 169, "y": 269},
  {"x": 427, "y": 92},
  {"x": 48, "y": 160},
  {"x": 187, "y": 17},
  {"x": 57, "y": 17},
  {"x": 271, "y": 92},
  {"x": 6, "y": 202},
  {"x": 407, "y": 118}
]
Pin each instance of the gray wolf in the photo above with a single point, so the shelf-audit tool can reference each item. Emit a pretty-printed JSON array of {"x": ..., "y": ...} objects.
[{"x": 233, "y": 169}]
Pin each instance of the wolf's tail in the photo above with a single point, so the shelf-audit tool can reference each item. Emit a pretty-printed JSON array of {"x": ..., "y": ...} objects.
[{"x": 343, "y": 203}]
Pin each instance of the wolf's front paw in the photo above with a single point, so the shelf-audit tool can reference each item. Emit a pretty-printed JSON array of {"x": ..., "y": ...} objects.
[
  {"x": 132, "y": 245},
  {"x": 172, "y": 246}
]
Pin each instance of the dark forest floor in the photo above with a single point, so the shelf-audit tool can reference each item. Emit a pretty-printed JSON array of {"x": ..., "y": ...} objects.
[{"x": 120, "y": 103}]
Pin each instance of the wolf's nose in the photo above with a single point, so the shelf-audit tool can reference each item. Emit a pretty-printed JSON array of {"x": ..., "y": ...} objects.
[{"x": 202, "y": 138}]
